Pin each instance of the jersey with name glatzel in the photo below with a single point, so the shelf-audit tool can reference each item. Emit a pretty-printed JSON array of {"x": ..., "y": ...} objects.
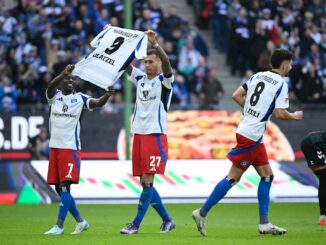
[
  {"x": 265, "y": 92},
  {"x": 152, "y": 103},
  {"x": 64, "y": 123},
  {"x": 115, "y": 48}
]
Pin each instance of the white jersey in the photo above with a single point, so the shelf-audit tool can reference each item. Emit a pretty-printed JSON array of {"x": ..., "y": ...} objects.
[
  {"x": 265, "y": 92},
  {"x": 153, "y": 100},
  {"x": 65, "y": 114},
  {"x": 115, "y": 48}
]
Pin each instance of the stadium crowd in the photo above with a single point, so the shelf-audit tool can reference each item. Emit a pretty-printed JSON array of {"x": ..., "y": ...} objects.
[
  {"x": 248, "y": 32},
  {"x": 38, "y": 38}
]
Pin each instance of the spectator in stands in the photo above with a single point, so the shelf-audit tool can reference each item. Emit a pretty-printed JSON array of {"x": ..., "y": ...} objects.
[
  {"x": 180, "y": 93},
  {"x": 211, "y": 91},
  {"x": 144, "y": 22},
  {"x": 220, "y": 25},
  {"x": 263, "y": 63},
  {"x": 188, "y": 58},
  {"x": 38, "y": 145},
  {"x": 8, "y": 95}
]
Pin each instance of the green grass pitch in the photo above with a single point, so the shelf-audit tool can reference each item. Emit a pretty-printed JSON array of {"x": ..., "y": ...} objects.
[{"x": 227, "y": 224}]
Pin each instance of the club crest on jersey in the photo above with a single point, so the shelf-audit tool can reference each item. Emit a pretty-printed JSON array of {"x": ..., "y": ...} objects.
[
  {"x": 73, "y": 100},
  {"x": 64, "y": 108},
  {"x": 244, "y": 163},
  {"x": 142, "y": 84},
  {"x": 145, "y": 93}
]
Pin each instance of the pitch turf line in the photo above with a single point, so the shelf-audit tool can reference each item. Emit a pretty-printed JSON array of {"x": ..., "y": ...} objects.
[{"x": 227, "y": 224}]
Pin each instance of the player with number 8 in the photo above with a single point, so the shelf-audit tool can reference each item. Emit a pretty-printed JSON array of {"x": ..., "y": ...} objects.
[{"x": 260, "y": 96}]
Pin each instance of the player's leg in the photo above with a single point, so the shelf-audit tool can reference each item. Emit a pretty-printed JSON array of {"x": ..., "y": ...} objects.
[
  {"x": 161, "y": 153},
  {"x": 265, "y": 227},
  {"x": 144, "y": 202},
  {"x": 168, "y": 224},
  {"x": 321, "y": 174},
  {"x": 63, "y": 189},
  {"x": 54, "y": 178},
  {"x": 218, "y": 193},
  {"x": 73, "y": 173}
]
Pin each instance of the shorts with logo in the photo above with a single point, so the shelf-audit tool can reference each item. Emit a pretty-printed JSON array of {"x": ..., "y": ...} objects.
[
  {"x": 149, "y": 154},
  {"x": 248, "y": 152},
  {"x": 64, "y": 165}
]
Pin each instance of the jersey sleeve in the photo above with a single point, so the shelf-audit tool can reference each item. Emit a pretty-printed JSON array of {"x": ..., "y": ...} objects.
[
  {"x": 141, "y": 48},
  {"x": 245, "y": 84},
  {"x": 136, "y": 75},
  {"x": 282, "y": 100},
  {"x": 167, "y": 81},
  {"x": 51, "y": 100},
  {"x": 86, "y": 100},
  {"x": 96, "y": 41}
]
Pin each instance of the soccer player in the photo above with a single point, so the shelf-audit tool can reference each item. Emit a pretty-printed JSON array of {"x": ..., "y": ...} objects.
[
  {"x": 66, "y": 107},
  {"x": 314, "y": 149},
  {"x": 263, "y": 94},
  {"x": 149, "y": 124}
]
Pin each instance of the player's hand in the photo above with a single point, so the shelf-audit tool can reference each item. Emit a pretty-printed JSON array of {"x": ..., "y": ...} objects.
[
  {"x": 298, "y": 115},
  {"x": 151, "y": 36},
  {"x": 69, "y": 68},
  {"x": 110, "y": 91},
  {"x": 106, "y": 26}
]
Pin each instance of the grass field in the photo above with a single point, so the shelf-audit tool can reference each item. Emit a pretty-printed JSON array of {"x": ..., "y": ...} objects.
[{"x": 227, "y": 224}]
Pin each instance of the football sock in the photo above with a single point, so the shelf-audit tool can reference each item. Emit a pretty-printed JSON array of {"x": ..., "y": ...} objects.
[
  {"x": 263, "y": 198},
  {"x": 74, "y": 211},
  {"x": 158, "y": 206},
  {"x": 65, "y": 199},
  {"x": 144, "y": 201},
  {"x": 321, "y": 174},
  {"x": 218, "y": 193}
]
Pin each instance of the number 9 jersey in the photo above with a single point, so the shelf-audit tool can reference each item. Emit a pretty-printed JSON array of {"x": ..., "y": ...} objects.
[
  {"x": 265, "y": 92},
  {"x": 114, "y": 49}
]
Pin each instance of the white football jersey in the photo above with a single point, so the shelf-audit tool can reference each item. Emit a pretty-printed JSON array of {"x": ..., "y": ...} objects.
[
  {"x": 153, "y": 100},
  {"x": 64, "y": 123},
  {"x": 265, "y": 92},
  {"x": 115, "y": 49}
]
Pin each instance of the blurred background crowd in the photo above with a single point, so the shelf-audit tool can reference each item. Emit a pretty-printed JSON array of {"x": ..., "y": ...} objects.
[{"x": 38, "y": 38}]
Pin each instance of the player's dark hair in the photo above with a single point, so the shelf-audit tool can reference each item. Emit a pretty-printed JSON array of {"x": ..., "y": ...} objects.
[
  {"x": 153, "y": 51},
  {"x": 280, "y": 55}
]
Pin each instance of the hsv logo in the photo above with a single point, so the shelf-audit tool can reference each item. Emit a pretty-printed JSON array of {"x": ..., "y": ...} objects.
[
  {"x": 64, "y": 108},
  {"x": 145, "y": 93}
]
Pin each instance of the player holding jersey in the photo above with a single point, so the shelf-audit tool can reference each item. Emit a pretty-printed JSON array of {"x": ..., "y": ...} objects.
[
  {"x": 263, "y": 94},
  {"x": 149, "y": 124},
  {"x": 66, "y": 107}
]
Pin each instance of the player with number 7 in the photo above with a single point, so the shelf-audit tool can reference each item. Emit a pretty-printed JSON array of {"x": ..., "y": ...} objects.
[{"x": 66, "y": 107}]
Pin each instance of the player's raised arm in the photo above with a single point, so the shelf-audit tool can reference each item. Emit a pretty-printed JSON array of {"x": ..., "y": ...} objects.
[
  {"x": 53, "y": 85},
  {"x": 239, "y": 95},
  {"x": 102, "y": 100},
  {"x": 166, "y": 66}
]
